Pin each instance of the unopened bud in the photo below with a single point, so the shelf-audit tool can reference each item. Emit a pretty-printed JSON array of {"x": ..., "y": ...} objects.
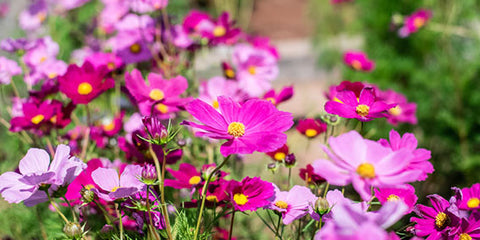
[
  {"x": 155, "y": 128},
  {"x": 73, "y": 230},
  {"x": 272, "y": 167},
  {"x": 322, "y": 206},
  {"x": 149, "y": 174},
  {"x": 207, "y": 172},
  {"x": 290, "y": 160},
  {"x": 331, "y": 119},
  {"x": 87, "y": 195}
]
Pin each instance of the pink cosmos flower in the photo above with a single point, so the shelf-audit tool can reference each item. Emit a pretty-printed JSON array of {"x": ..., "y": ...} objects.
[
  {"x": 436, "y": 222},
  {"x": 4, "y": 9},
  {"x": 469, "y": 229},
  {"x": 228, "y": 71},
  {"x": 83, "y": 180},
  {"x": 221, "y": 30},
  {"x": 364, "y": 108},
  {"x": 336, "y": 198},
  {"x": 33, "y": 17},
  {"x": 112, "y": 186},
  {"x": 71, "y": 4},
  {"x": 8, "y": 68},
  {"x": 285, "y": 94},
  {"x": 250, "y": 194},
  {"x": 364, "y": 163},
  {"x": 358, "y": 61},
  {"x": 263, "y": 43},
  {"x": 160, "y": 95},
  {"x": 256, "y": 69},
  {"x": 83, "y": 84},
  {"x": 256, "y": 125},
  {"x": 219, "y": 86},
  {"x": 111, "y": 14},
  {"x": 470, "y": 198},
  {"x": 406, "y": 194},
  {"x": 409, "y": 142},
  {"x": 38, "y": 174},
  {"x": 414, "y": 22},
  {"x": 279, "y": 154},
  {"x": 145, "y": 6},
  {"x": 41, "y": 51},
  {"x": 292, "y": 204},
  {"x": 355, "y": 87},
  {"x": 108, "y": 60},
  {"x": 311, "y": 127},
  {"x": 187, "y": 176},
  {"x": 403, "y": 111}
]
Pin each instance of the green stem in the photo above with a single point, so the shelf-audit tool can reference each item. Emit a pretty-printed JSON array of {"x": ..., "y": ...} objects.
[
  {"x": 56, "y": 208},
  {"x": 71, "y": 208},
  {"x": 105, "y": 213},
  {"x": 204, "y": 192},
  {"x": 289, "y": 178},
  {"x": 120, "y": 222},
  {"x": 231, "y": 225}
]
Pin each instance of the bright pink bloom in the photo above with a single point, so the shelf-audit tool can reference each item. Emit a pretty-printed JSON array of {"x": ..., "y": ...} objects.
[
  {"x": 285, "y": 94},
  {"x": 160, "y": 95},
  {"x": 293, "y": 204},
  {"x": 364, "y": 108},
  {"x": 279, "y": 154},
  {"x": 144, "y": 6},
  {"x": 256, "y": 125},
  {"x": 8, "y": 68},
  {"x": 364, "y": 163},
  {"x": 409, "y": 142},
  {"x": 221, "y": 30},
  {"x": 108, "y": 60},
  {"x": 403, "y": 111},
  {"x": 250, "y": 194},
  {"x": 355, "y": 87},
  {"x": 414, "y": 22},
  {"x": 469, "y": 229},
  {"x": 263, "y": 43},
  {"x": 311, "y": 127},
  {"x": 406, "y": 194},
  {"x": 256, "y": 69},
  {"x": 112, "y": 186},
  {"x": 84, "y": 180},
  {"x": 219, "y": 86},
  {"x": 358, "y": 61},
  {"x": 83, "y": 84},
  {"x": 187, "y": 176},
  {"x": 470, "y": 198}
]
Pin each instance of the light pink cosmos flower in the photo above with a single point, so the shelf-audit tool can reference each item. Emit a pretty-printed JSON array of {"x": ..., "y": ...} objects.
[
  {"x": 111, "y": 14},
  {"x": 108, "y": 60},
  {"x": 200, "y": 25},
  {"x": 37, "y": 173},
  {"x": 358, "y": 61},
  {"x": 404, "y": 193},
  {"x": 145, "y": 6},
  {"x": 256, "y": 69},
  {"x": 365, "y": 163},
  {"x": 8, "y": 68},
  {"x": 112, "y": 186},
  {"x": 70, "y": 4},
  {"x": 404, "y": 111},
  {"x": 293, "y": 204},
  {"x": 33, "y": 17},
  {"x": 336, "y": 198},
  {"x": 255, "y": 125},
  {"x": 210, "y": 90},
  {"x": 414, "y": 22},
  {"x": 409, "y": 142}
]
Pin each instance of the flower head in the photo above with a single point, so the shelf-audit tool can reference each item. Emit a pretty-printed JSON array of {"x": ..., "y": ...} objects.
[
  {"x": 279, "y": 154},
  {"x": 414, "y": 22},
  {"x": 311, "y": 127},
  {"x": 187, "y": 176},
  {"x": 470, "y": 198},
  {"x": 358, "y": 61},
  {"x": 276, "y": 98},
  {"x": 111, "y": 186},
  {"x": 8, "y": 68},
  {"x": 403, "y": 111},
  {"x": 406, "y": 194},
  {"x": 293, "y": 204},
  {"x": 250, "y": 193},
  {"x": 309, "y": 176}
]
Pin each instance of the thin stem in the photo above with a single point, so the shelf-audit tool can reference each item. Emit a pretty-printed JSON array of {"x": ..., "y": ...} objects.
[
  {"x": 265, "y": 222},
  {"x": 204, "y": 192},
  {"x": 56, "y": 208},
  {"x": 289, "y": 178},
  {"x": 15, "y": 89},
  {"x": 278, "y": 225},
  {"x": 71, "y": 208},
  {"x": 120, "y": 223},
  {"x": 231, "y": 225},
  {"x": 105, "y": 213},
  {"x": 150, "y": 224},
  {"x": 326, "y": 189},
  {"x": 89, "y": 119}
]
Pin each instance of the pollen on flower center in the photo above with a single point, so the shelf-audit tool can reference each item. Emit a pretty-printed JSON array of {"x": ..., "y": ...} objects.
[
  {"x": 162, "y": 108},
  {"x": 37, "y": 119},
  {"x": 311, "y": 132},
  {"x": 279, "y": 156},
  {"x": 89, "y": 186},
  {"x": 473, "y": 202},
  {"x": 219, "y": 31},
  {"x": 441, "y": 220},
  {"x": 419, "y": 22},
  {"x": 272, "y": 100},
  {"x": 156, "y": 94},
  {"x": 84, "y": 88},
  {"x": 230, "y": 73},
  {"x": 366, "y": 170},
  {"x": 114, "y": 189},
  {"x": 240, "y": 199},
  {"x": 212, "y": 198},
  {"x": 236, "y": 129},
  {"x": 135, "y": 48},
  {"x": 52, "y": 75},
  {"x": 395, "y": 111},
  {"x": 362, "y": 110},
  {"x": 393, "y": 198},
  {"x": 252, "y": 70},
  {"x": 111, "y": 65},
  {"x": 357, "y": 65},
  {"x": 215, "y": 104},
  {"x": 281, "y": 204},
  {"x": 465, "y": 236},
  {"x": 194, "y": 180},
  {"x": 109, "y": 127}
]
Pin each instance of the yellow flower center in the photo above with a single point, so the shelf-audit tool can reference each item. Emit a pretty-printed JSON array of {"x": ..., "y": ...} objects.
[
  {"x": 311, "y": 132},
  {"x": 53, "y": 119},
  {"x": 156, "y": 94},
  {"x": 215, "y": 104},
  {"x": 281, "y": 204},
  {"x": 219, "y": 31},
  {"x": 337, "y": 100},
  {"x": 465, "y": 236},
  {"x": 84, "y": 88},
  {"x": 109, "y": 127},
  {"x": 272, "y": 100},
  {"x": 279, "y": 156},
  {"x": 252, "y": 70},
  {"x": 37, "y": 119},
  {"x": 395, "y": 111},
  {"x": 240, "y": 199},
  {"x": 52, "y": 75},
  {"x": 366, "y": 170},
  {"x": 393, "y": 198},
  {"x": 162, "y": 108},
  {"x": 111, "y": 65},
  {"x": 441, "y": 219},
  {"x": 114, "y": 189},
  {"x": 43, "y": 59},
  {"x": 473, "y": 202},
  {"x": 236, "y": 129},
  {"x": 362, "y": 110},
  {"x": 229, "y": 73},
  {"x": 41, "y": 16},
  {"x": 194, "y": 180},
  {"x": 90, "y": 186},
  {"x": 357, "y": 65},
  {"x": 419, "y": 22},
  {"x": 212, "y": 198},
  {"x": 135, "y": 48}
]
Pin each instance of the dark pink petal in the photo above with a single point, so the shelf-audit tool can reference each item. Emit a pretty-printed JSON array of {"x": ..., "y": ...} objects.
[
  {"x": 229, "y": 108},
  {"x": 207, "y": 115}
]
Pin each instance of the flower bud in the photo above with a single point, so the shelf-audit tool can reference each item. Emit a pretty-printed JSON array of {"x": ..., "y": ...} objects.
[
  {"x": 322, "y": 206},
  {"x": 272, "y": 167},
  {"x": 155, "y": 128},
  {"x": 149, "y": 174},
  {"x": 207, "y": 172},
  {"x": 331, "y": 119},
  {"x": 73, "y": 230},
  {"x": 290, "y": 160},
  {"x": 87, "y": 195}
]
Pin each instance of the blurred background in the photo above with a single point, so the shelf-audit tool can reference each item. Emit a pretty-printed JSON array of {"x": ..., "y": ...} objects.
[{"x": 437, "y": 67}]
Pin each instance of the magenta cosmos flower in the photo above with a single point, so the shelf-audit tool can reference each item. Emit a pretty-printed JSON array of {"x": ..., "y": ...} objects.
[
  {"x": 311, "y": 127},
  {"x": 250, "y": 194},
  {"x": 414, "y": 22},
  {"x": 293, "y": 204},
  {"x": 403, "y": 111},
  {"x": 470, "y": 197},
  {"x": 358, "y": 61},
  {"x": 83, "y": 84},
  {"x": 159, "y": 95},
  {"x": 112, "y": 186},
  {"x": 255, "y": 125},
  {"x": 187, "y": 176},
  {"x": 364, "y": 163},
  {"x": 38, "y": 174},
  {"x": 279, "y": 154},
  {"x": 364, "y": 108},
  {"x": 409, "y": 142},
  {"x": 217, "y": 31},
  {"x": 276, "y": 98},
  {"x": 406, "y": 194}
]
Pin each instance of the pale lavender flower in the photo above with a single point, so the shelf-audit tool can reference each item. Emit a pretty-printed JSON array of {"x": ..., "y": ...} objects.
[
  {"x": 8, "y": 68},
  {"x": 293, "y": 204},
  {"x": 112, "y": 186}
]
